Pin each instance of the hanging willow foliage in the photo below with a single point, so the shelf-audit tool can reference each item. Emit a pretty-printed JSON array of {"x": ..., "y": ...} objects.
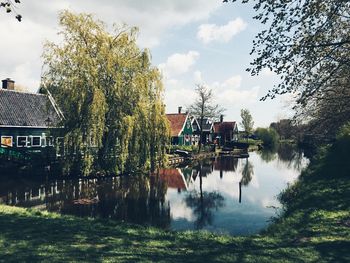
[{"x": 110, "y": 94}]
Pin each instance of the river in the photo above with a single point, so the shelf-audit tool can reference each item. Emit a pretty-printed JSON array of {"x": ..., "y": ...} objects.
[{"x": 221, "y": 195}]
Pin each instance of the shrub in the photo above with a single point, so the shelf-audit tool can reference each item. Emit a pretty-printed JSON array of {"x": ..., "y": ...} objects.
[
  {"x": 344, "y": 131},
  {"x": 269, "y": 136}
]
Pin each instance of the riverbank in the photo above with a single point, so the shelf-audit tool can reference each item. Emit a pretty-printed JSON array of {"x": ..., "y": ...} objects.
[{"x": 315, "y": 226}]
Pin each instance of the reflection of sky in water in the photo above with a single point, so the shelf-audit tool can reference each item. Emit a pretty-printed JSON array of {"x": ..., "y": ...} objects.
[
  {"x": 140, "y": 199},
  {"x": 254, "y": 211}
]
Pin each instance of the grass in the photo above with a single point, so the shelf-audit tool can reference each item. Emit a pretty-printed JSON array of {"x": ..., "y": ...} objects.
[{"x": 314, "y": 227}]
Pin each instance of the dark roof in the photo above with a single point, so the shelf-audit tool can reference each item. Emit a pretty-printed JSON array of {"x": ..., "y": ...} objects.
[
  {"x": 177, "y": 122},
  {"x": 222, "y": 127},
  {"x": 207, "y": 124},
  {"x": 26, "y": 109},
  {"x": 195, "y": 123}
]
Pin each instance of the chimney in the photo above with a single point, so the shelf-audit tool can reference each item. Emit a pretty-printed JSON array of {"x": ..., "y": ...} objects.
[
  {"x": 221, "y": 118},
  {"x": 8, "y": 84},
  {"x": 179, "y": 109}
]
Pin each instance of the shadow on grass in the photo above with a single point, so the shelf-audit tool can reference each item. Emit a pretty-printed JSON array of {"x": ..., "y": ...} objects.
[
  {"x": 28, "y": 237},
  {"x": 314, "y": 227}
]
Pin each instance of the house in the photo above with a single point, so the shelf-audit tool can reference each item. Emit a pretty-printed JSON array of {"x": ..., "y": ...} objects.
[
  {"x": 174, "y": 178},
  {"x": 196, "y": 130},
  {"x": 225, "y": 131},
  {"x": 207, "y": 128},
  {"x": 27, "y": 119},
  {"x": 181, "y": 128}
]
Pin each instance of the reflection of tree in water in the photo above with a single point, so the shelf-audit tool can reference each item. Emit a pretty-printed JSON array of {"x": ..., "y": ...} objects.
[
  {"x": 288, "y": 154},
  {"x": 247, "y": 175},
  {"x": 137, "y": 199},
  {"x": 247, "y": 172},
  {"x": 268, "y": 154},
  {"x": 291, "y": 156},
  {"x": 226, "y": 164},
  {"x": 203, "y": 203}
]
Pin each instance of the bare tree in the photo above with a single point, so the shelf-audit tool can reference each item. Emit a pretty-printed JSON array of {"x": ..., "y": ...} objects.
[{"x": 204, "y": 107}]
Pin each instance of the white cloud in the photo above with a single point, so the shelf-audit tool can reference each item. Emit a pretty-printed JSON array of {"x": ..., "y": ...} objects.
[
  {"x": 21, "y": 52},
  {"x": 178, "y": 64},
  {"x": 233, "y": 82},
  {"x": 229, "y": 92},
  {"x": 212, "y": 32},
  {"x": 178, "y": 95},
  {"x": 197, "y": 75},
  {"x": 238, "y": 96}
]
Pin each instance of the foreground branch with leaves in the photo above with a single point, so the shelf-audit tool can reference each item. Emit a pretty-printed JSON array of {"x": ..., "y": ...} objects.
[
  {"x": 10, "y": 7},
  {"x": 307, "y": 43}
]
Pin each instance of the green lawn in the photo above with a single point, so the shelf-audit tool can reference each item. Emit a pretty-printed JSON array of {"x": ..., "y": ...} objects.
[{"x": 315, "y": 227}]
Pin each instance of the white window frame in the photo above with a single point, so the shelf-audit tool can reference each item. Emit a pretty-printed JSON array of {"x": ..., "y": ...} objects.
[
  {"x": 7, "y": 136},
  {"x": 26, "y": 145},
  {"x": 32, "y": 139},
  {"x": 57, "y": 146},
  {"x": 47, "y": 138}
]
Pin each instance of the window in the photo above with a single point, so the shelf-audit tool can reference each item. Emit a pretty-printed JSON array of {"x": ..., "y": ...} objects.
[
  {"x": 6, "y": 141},
  {"x": 60, "y": 146},
  {"x": 36, "y": 141},
  {"x": 49, "y": 141},
  {"x": 22, "y": 141}
]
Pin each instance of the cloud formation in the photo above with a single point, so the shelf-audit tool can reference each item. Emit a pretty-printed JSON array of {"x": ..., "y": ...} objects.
[
  {"x": 211, "y": 32},
  {"x": 230, "y": 93},
  {"x": 227, "y": 93},
  {"x": 178, "y": 63},
  {"x": 24, "y": 41}
]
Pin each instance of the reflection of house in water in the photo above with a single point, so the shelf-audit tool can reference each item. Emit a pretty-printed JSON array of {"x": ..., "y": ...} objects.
[
  {"x": 226, "y": 164},
  {"x": 129, "y": 199},
  {"x": 202, "y": 169},
  {"x": 48, "y": 194},
  {"x": 176, "y": 178}
]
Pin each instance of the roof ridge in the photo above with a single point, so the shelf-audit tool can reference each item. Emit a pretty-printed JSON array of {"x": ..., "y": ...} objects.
[{"x": 22, "y": 92}]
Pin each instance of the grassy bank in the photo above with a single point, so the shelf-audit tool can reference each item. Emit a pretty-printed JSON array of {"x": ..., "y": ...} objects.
[{"x": 315, "y": 226}]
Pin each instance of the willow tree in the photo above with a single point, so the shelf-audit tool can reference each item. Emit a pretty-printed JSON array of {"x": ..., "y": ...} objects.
[{"x": 110, "y": 94}]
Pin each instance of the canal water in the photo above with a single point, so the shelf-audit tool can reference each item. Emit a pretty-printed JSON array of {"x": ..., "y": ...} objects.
[{"x": 221, "y": 195}]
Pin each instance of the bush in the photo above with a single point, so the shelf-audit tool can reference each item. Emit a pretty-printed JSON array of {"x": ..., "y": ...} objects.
[
  {"x": 344, "y": 132},
  {"x": 269, "y": 136}
]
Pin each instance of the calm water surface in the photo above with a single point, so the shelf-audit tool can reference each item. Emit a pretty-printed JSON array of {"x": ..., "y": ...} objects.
[{"x": 222, "y": 195}]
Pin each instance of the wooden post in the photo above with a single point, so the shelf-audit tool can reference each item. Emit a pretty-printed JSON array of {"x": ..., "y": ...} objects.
[{"x": 240, "y": 192}]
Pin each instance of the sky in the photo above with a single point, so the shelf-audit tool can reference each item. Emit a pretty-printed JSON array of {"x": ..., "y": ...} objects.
[{"x": 192, "y": 42}]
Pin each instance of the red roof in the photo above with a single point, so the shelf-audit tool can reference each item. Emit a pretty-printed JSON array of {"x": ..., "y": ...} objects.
[
  {"x": 177, "y": 121},
  {"x": 221, "y": 127},
  {"x": 173, "y": 178}
]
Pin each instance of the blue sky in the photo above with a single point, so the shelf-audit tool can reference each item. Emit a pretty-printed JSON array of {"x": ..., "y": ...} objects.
[{"x": 199, "y": 41}]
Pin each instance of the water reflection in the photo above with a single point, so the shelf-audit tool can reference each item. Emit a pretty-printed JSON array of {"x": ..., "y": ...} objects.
[
  {"x": 247, "y": 175},
  {"x": 203, "y": 202},
  {"x": 222, "y": 194},
  {"x": 289, "y": 154},
  {"x": 133, "y": 199}
]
